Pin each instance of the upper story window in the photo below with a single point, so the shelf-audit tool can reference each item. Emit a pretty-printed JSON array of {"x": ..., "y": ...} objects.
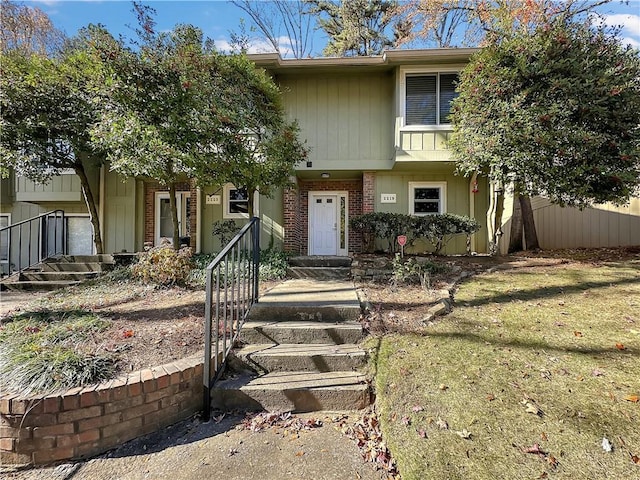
[{"x": 428, "y": 98}]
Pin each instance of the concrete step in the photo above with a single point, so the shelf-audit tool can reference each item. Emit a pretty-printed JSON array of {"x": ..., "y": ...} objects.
[
  {"x": 102, "y": 258},
  {"x": 75, "y": 267},
  {"x": 320, "y": 273},
  {"x": 293, "y": 357},
  {"x": 32, "y": 286},
  {"x": 309, "y": 300},
  {"x": 301, "y": 332},
  {"x": 320, "y": 261},
  {"x": 34, "y": 276},
  {"x": 293, "y": 391}
]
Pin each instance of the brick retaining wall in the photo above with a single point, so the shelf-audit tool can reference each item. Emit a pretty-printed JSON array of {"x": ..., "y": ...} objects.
[{"x": 87, "y": 421}]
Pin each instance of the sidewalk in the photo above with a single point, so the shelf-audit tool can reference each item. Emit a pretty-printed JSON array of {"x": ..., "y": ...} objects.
[{"x": 192, "y": 450}]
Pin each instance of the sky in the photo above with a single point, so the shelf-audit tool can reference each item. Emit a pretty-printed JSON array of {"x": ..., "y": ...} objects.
[{"x": 217, "y": 18}]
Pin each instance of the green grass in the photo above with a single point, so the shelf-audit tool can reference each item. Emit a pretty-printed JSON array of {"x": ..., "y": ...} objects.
[
  {"x": 548, "y": 338},
  {"x": 46, "y": 350}
]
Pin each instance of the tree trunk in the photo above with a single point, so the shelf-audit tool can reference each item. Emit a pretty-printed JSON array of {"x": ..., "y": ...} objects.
[
  {"x": 497, "y": 223},
  {"x": 174, "y": 215},
  {"x": 515, "y": 237},
  {"x": 91, "y": 206},
  {"x": 530, "y": 234}
]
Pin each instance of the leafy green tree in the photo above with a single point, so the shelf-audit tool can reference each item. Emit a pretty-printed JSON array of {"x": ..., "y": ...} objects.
[
  {"x": 554, "y": 112},
  {"x": 356, "y": 27},
  {"x": 47, "y": 111},
  {"x": 177, "y": 109}
]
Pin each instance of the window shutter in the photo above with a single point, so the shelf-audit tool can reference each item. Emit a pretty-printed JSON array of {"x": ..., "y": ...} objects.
[{"x": 420, "y": 100}]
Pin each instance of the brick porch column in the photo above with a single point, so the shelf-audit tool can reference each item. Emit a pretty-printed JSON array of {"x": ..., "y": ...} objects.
[
  {"x": 291, "y": 199},
  {"x": 368, "y": 191}
]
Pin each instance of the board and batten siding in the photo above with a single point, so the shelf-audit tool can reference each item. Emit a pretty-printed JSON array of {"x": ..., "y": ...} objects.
[
  {"x": 345, "y": 119},
  {"x": 61, "y": 188},
  {"x": 457, "y": 202},
  {"x": 119, "y": 229},
  {"x": 604, "y": 225}
]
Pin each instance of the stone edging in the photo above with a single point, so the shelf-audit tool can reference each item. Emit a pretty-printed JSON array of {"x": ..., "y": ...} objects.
[{"x": 86, "y": 421}]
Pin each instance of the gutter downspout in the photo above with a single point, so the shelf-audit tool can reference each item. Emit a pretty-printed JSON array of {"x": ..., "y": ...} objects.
[
  {"x": 472, "y": 205},
  {"x": 101, "y": 207},
  {"x": 198, "y": 220}
]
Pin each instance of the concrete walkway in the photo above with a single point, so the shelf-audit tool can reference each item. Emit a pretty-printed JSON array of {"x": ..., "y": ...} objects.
[{"x": 192, "y": 450}]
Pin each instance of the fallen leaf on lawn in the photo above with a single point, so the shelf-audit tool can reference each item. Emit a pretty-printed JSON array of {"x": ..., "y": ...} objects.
[
  {"x": 632, "y": 398},
  {"x": 535, "y": 449},
  {"x": 544, "y": 475},
  {"x": 606, "y": 445},
  {"x": 553, "y": 461},
  {"x": 417, "y": 408},
  {"x": 232, "y": 452},
  {"x": 561, "y": 302},
  {"x": 634, "y": 458},
  {"x": 127, "y": 333},
  {"x": 442, "y": 425},
  {"x": 597, "y": 373},
  {"x": 620, "y": 346},
  {"x": 443, "y": 387},
  {"x": 577, "y": 333},
  {"x": 406, "y": 420},
  {"x": 491, "y": 397},
  {"x": 464, "y": 434},
  {"x": 299, "y": 454},
  {"x": 543, "y": 436},
  {"x": 532, "y": 408},
  {"x": 422, "y": 433}
]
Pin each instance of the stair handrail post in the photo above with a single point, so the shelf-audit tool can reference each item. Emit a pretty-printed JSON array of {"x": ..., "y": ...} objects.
[
  {"x": 222, "y": 307},
  {"x": 256, "y": 259}
]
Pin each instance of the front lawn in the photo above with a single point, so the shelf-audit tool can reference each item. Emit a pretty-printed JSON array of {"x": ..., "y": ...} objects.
[{"x": 535, "y": 374}]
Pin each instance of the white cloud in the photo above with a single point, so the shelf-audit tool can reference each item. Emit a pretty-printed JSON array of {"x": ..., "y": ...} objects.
[
  {"x": 258, "y": 46},
  {"x": 630, "y": 23}
]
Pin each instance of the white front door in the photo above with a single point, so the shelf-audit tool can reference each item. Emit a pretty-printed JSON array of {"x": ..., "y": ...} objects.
[
  {"x": 324, "y": 225},
  {"x": 164, "y": 224}
]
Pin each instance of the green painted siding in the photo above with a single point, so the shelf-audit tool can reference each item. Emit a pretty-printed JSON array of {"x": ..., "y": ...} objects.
[
  {"x": 62, "y": 188},
  {"x": 119, "y": 229},
  {"x": 457, "y": 202},
  {"x": 347, "y": 120},
  {"x": 271, "y": 218}
]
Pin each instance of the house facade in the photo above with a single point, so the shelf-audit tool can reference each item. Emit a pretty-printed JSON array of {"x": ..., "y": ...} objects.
[{"x": 377, "y": 131}]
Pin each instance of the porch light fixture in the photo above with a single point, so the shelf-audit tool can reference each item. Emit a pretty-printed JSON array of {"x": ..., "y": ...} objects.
[{"x": 325, "y": 175}]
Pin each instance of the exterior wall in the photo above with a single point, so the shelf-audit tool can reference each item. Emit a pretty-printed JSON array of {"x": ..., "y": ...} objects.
[
  {"x": 458, "y": 201},
  {"x": 604, "y": 225},
  {"x": 421, "y": 146},
  {"x": 271, "y": 221},
  {"x": 119, "y": 221},
  {"x": 347, "y": 120},
  {"x": 150, "y": 209},
  {"x": 299, "y": 244},
  {"x": 83, "y": 422}
]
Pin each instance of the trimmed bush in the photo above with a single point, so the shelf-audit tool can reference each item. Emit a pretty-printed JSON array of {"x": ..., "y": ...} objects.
[
  {"x": 436, "y": 229},
  {"x": 164, "y": 265}
]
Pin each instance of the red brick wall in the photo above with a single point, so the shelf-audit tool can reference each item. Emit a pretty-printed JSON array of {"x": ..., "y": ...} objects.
[
  {"x": 291, "y": 199},
  {"x": 83, "y": 422},
  {"x": 368, "y": 192}
]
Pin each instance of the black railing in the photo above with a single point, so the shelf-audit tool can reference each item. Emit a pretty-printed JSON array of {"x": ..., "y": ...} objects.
[
  {"x": 232, "y": 288},
  {"x": 32, "y": 241}
]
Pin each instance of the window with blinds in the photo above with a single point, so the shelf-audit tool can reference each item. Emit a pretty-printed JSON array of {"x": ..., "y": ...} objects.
[{"x": 428, "y": 98}]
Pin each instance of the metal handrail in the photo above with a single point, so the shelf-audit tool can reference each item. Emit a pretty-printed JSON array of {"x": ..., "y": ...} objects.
[
  {"x": 39, "y": 244},
  {"x": 232, "y": 288}
]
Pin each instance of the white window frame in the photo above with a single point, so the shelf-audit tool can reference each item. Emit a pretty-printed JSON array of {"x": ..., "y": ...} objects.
[
  {"x": 422, "y": 71},
  {"x": 442, "y": 205},
  {"x": 226, "y": 212},
  {"x": 8, "y": 217}
]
